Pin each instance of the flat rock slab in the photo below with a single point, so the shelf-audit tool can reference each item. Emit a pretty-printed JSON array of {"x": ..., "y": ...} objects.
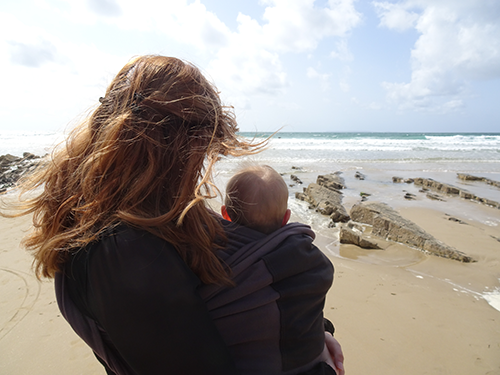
[
  {"x": 469, "y": 177},
  {"x": 390, "y": 225}
]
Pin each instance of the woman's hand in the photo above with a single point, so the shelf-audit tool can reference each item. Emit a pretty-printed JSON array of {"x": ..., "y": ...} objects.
[{"x": 335, "y": 351}]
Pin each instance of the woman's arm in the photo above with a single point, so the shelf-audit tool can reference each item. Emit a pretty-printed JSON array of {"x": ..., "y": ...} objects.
[{"x": 144, "y": 296}]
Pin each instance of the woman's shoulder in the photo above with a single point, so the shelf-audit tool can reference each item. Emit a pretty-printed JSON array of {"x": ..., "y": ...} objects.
[
  {"x": 122, "y": 236},
  {"x": 125, "y": 246}
]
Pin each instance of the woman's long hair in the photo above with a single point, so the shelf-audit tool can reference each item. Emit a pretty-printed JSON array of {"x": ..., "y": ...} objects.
[{"x": 143, "y": 157}]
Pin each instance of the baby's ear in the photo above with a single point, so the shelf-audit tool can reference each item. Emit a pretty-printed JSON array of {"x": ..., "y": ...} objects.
[
  {"x": 286, "y": 217},
  {"x": 223, "y": 211}
]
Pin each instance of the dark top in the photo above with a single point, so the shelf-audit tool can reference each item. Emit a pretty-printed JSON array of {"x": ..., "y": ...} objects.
[
  {"x": 138, "y": 305},
  {"x": 136, "y": 286}
]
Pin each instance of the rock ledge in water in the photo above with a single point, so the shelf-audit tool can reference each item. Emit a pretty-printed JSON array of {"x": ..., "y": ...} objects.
[{"x": 389, "y": 225}]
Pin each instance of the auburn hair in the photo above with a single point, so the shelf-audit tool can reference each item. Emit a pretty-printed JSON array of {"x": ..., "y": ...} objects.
[{"x": 144, "y": 156}]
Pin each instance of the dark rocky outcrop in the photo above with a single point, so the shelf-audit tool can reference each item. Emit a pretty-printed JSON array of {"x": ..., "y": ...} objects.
[
  {"x": 389, "y": 225},
  {"x": 325, "y": 197},
  {"x": 435, "y": 197},
  {"x": 398, "y": 180},
  {"x": 359, "y": 176},
  {"x": 451, "y": 218},
  {"x": 453, "y": 191},
  {"x": 12, "y": 168},
  {"x": 410, "y": 196},
  {"x": 295, "y": 179},
  {"x": 468, "y": 177},
  {"x": 430, "y": 184}
]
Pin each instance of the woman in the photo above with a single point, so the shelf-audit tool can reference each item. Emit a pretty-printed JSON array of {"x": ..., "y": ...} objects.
[{"x": 122, "y": 225}]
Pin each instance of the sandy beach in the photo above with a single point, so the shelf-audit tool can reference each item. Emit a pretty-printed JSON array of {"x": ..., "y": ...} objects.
[{"x": 396, "y": 311}]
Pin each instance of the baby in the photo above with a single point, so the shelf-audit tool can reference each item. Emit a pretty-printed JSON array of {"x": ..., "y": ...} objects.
[
  {"x": 272, "y": 319},
  {"x": 257, "y": 197}
]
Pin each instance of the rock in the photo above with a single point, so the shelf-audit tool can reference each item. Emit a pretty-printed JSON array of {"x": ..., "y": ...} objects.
[
  {"x": 325, "y": 197},
  {"x": 410, "y": 196},
  {"x": 435, "y": 197},
  {"x": 438, "y": 186},
  {"x": 364, "y": 196},
  {"x": 466, "y": 195},
  {"x": 29, "y": 155},
  {"x": 325, "y": 201},
  {"x": 356, "y": 226},
  {"x": 8, "y": 159},
  {"x": 388, "y": 224},
  {"x": 399, "y": 180},
  {"x": 359, "y": 176},
  {"x": 331, "y": 181},
  {"x": 298, "y": 168},
  {"x": 451, "y": 218},
  {"x": 428, "y": 183},
  {"x": 488, "y": 202},
  {"x": 296, "y": 179},
  {"x": 349, "y": 236},
  {"x": 12, "y": 168},
  {"x": 468, "y": 177}
]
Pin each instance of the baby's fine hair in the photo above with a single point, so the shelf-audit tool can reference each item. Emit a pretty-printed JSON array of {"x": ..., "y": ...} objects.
[{"x": 257, "y": 197}]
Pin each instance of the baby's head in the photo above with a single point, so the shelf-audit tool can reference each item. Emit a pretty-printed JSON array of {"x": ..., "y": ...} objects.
[{"x": 257, "y": 197}]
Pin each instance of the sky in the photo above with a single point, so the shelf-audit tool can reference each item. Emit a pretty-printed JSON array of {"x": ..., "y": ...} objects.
[{"x": 295, "y": 65}]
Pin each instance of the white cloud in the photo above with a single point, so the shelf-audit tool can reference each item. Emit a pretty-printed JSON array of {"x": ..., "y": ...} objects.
[
  {"x": 251, "y": 61},
  {"x": 459, "y": 42},
  {"x": 297, "y": 25},
  {"x": 245, "y": 62},
  {"x": 43, "y": 74},
  {"x": 250, "y": 57},
  {"x": 395, "y": 16}
]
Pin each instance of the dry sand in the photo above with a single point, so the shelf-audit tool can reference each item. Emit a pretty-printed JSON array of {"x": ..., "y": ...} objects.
[{"x": 396, "y": 311}]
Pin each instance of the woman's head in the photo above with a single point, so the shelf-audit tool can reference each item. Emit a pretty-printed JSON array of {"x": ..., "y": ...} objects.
[
  {"x": 144, "y": 156},
  {"x": 157, "y": 124}
]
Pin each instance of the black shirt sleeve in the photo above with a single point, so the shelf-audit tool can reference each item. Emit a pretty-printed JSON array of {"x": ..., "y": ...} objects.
[{"x": 145, "y": 297}]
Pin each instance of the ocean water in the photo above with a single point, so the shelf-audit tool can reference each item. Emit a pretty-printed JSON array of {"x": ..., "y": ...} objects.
[
  {"x": 16, "y": 143},
  {"x": 464, "y": 152},
  {"x": 378, "y": 156},
  {"x": 437, "y": 151}
]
